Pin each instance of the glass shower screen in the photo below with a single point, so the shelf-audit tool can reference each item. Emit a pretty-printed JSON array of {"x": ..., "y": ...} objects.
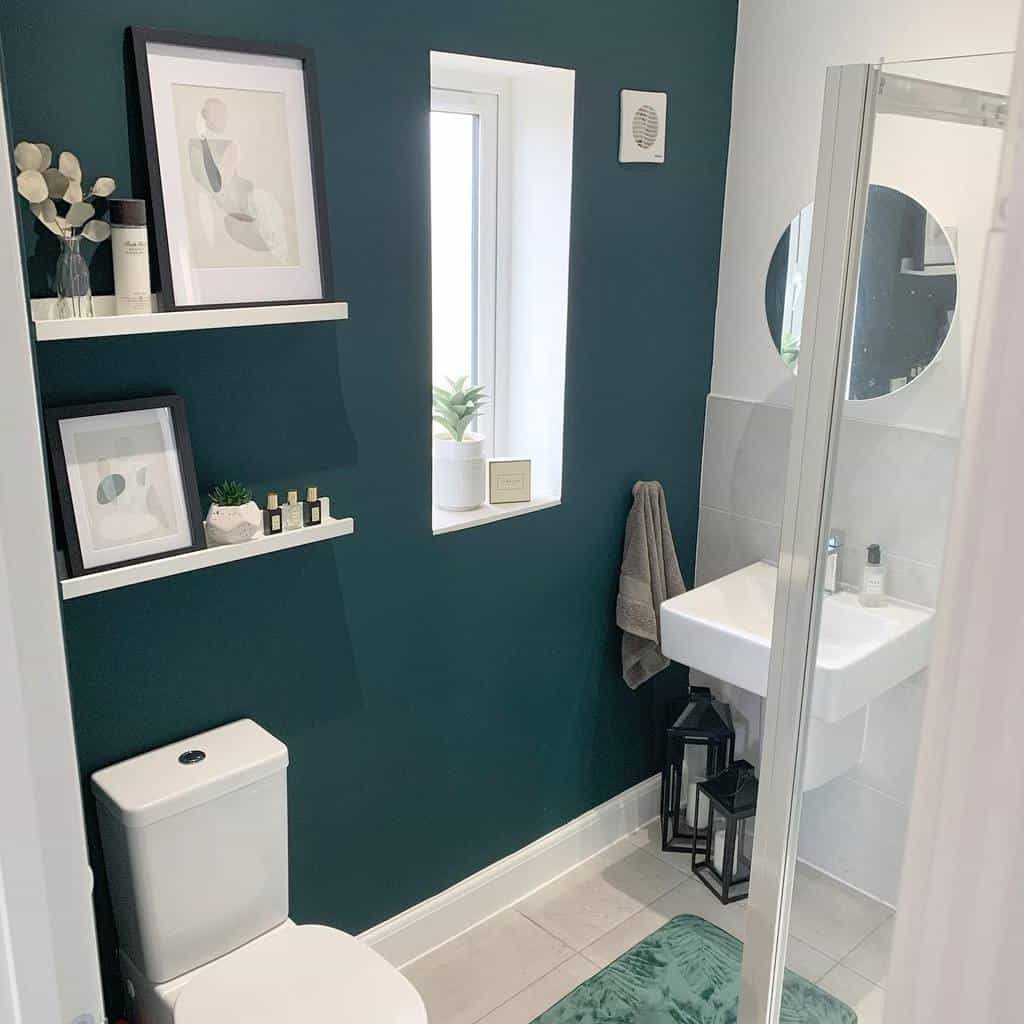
[{"x": 905, "y": 192}]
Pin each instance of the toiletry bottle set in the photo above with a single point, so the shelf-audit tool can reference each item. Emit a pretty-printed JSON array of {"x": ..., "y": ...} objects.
[{"x": 295, "y": 514}]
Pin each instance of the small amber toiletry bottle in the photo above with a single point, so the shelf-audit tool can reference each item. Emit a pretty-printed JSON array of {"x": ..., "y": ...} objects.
[
  {"x": 311, "y": 510},
  {"x": 272, "y": 518},
  {"x": 293, "y": 512}
]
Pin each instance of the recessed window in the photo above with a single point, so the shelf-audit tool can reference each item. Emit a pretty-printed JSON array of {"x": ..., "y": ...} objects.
[
  {"x": 500, "y": 197},
  {"x": 464, "y": 215}
]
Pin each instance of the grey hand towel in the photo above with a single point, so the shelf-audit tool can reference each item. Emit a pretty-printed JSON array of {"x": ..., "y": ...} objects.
[{"x": 649, "y": 575}]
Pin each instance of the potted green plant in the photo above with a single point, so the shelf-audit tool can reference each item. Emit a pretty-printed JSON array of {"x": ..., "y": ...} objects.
[
  {"x": 460, "y": 469},
  {"x": 233, "y": 517}
]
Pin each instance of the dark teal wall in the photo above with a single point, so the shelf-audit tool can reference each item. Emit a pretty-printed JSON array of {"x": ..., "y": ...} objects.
[{"x": 445, "y": 700}]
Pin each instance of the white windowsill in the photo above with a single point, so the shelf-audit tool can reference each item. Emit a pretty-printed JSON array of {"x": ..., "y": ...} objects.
[{"x": 449, "y": 522}]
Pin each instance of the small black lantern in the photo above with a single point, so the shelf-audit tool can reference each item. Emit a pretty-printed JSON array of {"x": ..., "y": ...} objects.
[
  {"x": 723, "y": 862},
  {"x": 699, "y": 744}
]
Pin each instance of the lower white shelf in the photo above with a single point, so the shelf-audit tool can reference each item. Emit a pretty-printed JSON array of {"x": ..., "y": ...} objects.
[{"x": 216, "y": 554}]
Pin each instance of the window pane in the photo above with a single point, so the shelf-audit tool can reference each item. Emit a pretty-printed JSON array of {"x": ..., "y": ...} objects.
[{"x": 453, "y": 235}]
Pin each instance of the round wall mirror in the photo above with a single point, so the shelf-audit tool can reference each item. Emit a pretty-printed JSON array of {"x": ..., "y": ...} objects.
[{"x": 906, "y": 292}]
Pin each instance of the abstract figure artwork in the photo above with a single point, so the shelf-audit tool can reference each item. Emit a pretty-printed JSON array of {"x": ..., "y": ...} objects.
[
  {"x": 237, "y": 177},
  {"x": 125, "y": 481},
  {"x": 233, "y": 148}
]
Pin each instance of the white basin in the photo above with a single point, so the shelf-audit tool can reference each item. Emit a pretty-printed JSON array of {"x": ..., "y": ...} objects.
[{"x": 724, "y": 628}]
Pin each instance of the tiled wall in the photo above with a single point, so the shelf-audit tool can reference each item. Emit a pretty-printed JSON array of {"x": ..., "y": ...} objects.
[{"x": 892, "y": 487}]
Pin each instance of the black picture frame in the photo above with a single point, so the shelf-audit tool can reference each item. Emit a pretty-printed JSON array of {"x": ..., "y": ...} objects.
[
  {"x": 176, "y": 406},
  {"x": 139, "y": 38}
]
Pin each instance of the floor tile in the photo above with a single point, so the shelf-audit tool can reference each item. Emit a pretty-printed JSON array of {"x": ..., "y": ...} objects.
[
  {"x": 688, "y": 898},
  {"x": 649, "y": 838},
  {"x": 871, "y": 957},
  {"x": 693, "y": 898},
  {"x": 864, "y": 998},
  {"x": 481, "y": 969},
  {"x": 830, "y": 916},
  {"x": 543, "y": 993},
  {"x": 600, "y": 894},
  {"x": 810, "y": 963}
]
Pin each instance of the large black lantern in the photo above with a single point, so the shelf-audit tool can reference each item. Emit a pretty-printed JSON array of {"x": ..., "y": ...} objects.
[
  {"x": 723, "y": 864},
  {"x": 699, "y": 744}
]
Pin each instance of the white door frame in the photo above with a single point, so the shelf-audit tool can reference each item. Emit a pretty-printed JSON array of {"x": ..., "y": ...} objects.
[
  {"x": 49, "y": 971},
  {"x": 839, "y": 202}
]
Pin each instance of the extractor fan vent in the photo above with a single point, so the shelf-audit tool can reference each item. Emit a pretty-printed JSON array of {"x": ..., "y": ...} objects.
[{"x": 642, "y": 130}]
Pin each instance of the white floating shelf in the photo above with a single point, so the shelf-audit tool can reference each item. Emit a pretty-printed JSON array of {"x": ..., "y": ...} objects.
[
  {"x": 174, "y": 565},
  {"x": 106, "y": 324}
]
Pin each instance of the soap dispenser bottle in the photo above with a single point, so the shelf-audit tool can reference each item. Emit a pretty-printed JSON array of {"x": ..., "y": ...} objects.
[{"x": 872, "y": 588}]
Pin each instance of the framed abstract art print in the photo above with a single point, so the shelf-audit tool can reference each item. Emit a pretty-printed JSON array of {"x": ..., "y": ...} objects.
[
  {"x": 125, "y": 482},
  {"x": 233, "y": 149}
]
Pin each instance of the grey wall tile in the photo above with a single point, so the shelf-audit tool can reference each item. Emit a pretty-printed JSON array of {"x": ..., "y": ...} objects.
[
  {"x": 894, "y": 487},
  {"x": 746, "y": 445},
  {"x": 728, "y": 542},
  {"x": 856, "y": 834},
  {"x": 891, "y": 740},
  {"x": 905, "y": 579}
]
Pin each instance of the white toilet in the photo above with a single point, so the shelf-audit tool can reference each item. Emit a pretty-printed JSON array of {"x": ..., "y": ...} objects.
[{"x": 195, "y": 836}]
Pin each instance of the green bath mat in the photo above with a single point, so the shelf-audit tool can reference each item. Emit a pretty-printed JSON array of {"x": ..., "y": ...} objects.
[{"x": 687, "y": 972}]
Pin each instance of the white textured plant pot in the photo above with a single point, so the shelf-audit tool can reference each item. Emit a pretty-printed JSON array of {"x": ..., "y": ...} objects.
[
  {"x": 233, "y": 524},
  {"x": 460, "y": 472}
]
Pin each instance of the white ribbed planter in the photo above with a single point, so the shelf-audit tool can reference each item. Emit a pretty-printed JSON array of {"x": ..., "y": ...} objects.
[
  {"x": 233, "y": 524},
  {"x": 460, "y": 472}
]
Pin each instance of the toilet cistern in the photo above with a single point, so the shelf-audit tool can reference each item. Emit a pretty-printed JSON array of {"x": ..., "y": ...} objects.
[{"x": 195, "y": 840}]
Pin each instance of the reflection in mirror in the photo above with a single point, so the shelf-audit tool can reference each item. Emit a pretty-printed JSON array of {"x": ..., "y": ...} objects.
[{"x": 906, "y": 292}]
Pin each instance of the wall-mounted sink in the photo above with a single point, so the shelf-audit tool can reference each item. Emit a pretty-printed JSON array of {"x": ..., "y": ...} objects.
[{"x": 724, "y": 628}]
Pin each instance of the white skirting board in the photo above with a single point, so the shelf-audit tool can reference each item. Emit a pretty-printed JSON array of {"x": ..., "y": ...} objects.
[{"x": 429, "y": 924}]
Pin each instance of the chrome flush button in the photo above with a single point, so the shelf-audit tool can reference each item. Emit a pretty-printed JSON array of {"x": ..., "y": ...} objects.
[{"x": 192, "y": 757}]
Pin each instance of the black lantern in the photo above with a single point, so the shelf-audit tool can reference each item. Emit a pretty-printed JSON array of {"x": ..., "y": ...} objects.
[
  {"x": 699, "y": 745},
  {"x": 723, "y": 862}
]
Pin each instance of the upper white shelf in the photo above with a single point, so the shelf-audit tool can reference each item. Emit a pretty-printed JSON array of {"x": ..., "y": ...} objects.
[
  {"x": 174, "y": 565},
  {"x": 106, "y": 324}
]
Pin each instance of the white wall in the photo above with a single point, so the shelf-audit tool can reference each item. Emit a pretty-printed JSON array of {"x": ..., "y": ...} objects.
[
  {"x": 783, "y": 48},
  {"x": 897, "y": 454}
]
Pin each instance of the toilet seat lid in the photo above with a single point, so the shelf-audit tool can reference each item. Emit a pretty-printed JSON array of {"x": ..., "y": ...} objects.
[{"x": 309, "y": 974}]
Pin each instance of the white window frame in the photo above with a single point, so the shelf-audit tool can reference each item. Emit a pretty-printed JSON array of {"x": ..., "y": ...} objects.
[
  {"x": 533, "y": 188},
  {"x": 484, "y": 106}
]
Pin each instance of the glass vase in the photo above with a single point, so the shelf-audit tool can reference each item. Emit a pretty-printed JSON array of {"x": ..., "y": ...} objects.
[{"x": 74, "y": 291}]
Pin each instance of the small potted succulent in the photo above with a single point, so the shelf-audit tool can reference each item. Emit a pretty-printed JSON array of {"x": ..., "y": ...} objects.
[
  {"x": 460, "y": 469},
  {"x": 44, "y": 186},
  {"x": 233, "y": 517}
]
